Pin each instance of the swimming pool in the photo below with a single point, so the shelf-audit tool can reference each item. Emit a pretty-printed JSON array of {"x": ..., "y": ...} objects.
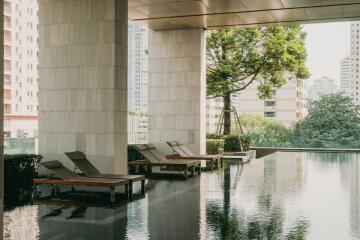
[{"x": 286, "y": 195}]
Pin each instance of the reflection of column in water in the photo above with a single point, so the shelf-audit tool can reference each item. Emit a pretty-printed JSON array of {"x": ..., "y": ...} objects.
[
  {"x": 81, "y": 222},
  {"x": 174, "y": 209},
  {"x": 21, "y": 223}
]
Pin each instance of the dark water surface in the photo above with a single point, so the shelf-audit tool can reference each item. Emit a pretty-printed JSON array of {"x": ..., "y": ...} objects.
[{"x": 283, "y": 196}]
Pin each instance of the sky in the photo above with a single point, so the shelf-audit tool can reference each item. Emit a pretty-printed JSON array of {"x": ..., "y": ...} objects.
[{"x": 327, "y": 44}]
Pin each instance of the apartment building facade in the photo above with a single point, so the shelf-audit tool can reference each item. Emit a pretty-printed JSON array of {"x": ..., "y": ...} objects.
[
  {"x": 137, "y": 83},
  {"x": 21, "y": 69},
  {"x": 288, "y": 104},
  {"x": 345, "y": 76}
]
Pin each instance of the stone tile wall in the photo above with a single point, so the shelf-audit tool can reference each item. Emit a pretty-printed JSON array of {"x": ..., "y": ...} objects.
[{"x": 83, "y": 81}]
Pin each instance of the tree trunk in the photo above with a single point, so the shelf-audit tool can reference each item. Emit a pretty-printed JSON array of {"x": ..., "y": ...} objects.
[{"x": 227, "y": 114}]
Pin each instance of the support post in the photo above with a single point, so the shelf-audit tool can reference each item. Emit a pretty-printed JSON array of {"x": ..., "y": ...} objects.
[
  {"x": 177, "y": 88},
  {"x": 83, "y": 81}
]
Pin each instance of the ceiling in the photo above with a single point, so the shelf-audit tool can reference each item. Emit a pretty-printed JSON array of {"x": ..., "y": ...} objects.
[{"x": 213, "y": 14}]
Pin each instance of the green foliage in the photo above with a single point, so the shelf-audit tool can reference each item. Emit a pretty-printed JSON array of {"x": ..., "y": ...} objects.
[
  {"x": 212, "y": 136},
  {"x": 133, "y": 153},
  {"x": 19, "y": 170},
  {"x": 238, "y": 56},
  {"x": 265, "y": 132},
  {"x": 245, "y": 142},
  {"x": 333, "y": 122},
  {"x": 232, "y": 143},
  {"x": 214, "y": 146}
]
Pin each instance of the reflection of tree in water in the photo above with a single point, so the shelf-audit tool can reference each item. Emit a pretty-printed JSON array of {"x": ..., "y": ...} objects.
[{"x": 267, "y": 224}]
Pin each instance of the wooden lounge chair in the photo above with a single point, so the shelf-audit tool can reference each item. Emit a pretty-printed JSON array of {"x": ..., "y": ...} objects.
[
  {"x": 155, "y": 158},
  {"x": 81, "y": 162},
  {"x": 183, "y": 153},
  {"x": 68, "y": 177}
]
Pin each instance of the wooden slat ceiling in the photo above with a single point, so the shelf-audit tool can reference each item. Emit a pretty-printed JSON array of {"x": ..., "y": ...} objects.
[{"x": 212, "y": 14}]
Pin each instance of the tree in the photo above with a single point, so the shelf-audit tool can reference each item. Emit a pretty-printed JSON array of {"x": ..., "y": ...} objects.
[
  {"x": 238, "y": 57},
  {"x": 333, "y": 122},
  {"x": 265, "y": 132}
]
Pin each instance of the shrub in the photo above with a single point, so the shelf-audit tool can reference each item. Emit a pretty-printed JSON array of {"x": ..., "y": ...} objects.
[
  {"x": 19, "y": 170},
  {"x": 245, "y": 142},
  {"x": 133, "y": 153},
  {"x": 212, "y": 136},
  {"x": 232, "y": 143},
  {"x": 214, "y": 146}
]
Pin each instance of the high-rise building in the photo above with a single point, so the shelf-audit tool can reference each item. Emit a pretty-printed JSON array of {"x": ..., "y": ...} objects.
[
  {"x": 138, "y": 68},
  {"x": 137, "y": 83},
  {"x": 21, "y": 68},
  {"x": 345, "y": 76},
  {"x": 322, "y": 86},
  {"x": 355, "y": 61},
  {"x": 287, "y": 105}
]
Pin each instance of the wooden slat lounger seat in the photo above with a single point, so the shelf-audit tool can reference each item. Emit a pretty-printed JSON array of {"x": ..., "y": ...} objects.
[
  {"x": 183, "y": 153},
  {"x": 81, "y": 162},
  {"x": 68, "y": 177},
  {"x": 155, "y": 158}
]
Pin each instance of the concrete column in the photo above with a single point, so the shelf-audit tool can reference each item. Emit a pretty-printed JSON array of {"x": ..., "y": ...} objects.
[
  {"x": 83, "y": 81},
  {"x": 1, "y": 119},
  {"x": 177, "y": 87}
]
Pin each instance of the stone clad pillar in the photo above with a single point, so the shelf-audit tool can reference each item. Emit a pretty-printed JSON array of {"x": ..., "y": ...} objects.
[
  {"x": 83, "y": 81},
  {"x": 177, "y": 87}
]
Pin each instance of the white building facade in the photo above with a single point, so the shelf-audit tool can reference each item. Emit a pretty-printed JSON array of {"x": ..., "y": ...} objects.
[
  {"x": 345, "y": 76},
  {"x": 355, "y": 61},
  {"x": 21, "y": 61},
  {"x": 288, "y": 104},
  {"x": 322, "y": 86},
  {"x": 138, "y": 68},
  {"x": 137, "y": 83}
]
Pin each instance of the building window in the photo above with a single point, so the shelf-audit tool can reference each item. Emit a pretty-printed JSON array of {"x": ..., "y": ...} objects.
[
  {"x": 270, "y": 103},
  {"x": 269, "y": 114}
]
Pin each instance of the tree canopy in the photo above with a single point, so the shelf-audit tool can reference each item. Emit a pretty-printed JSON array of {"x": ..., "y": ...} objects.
[
  {"x": 239, "y": 56},
  {"x": 333, "y": 122}
]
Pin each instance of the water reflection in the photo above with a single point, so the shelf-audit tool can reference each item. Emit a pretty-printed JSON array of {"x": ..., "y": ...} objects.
[
  {"x": 283, "y": 196},
  {"x": 267, "y": 222}
]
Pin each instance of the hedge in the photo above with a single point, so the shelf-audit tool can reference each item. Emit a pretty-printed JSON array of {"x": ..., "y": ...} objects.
[
  {"x": 214, "y": 146},
  {"x": 19, "y": 170},
  {"x": 232, "y": 142}
]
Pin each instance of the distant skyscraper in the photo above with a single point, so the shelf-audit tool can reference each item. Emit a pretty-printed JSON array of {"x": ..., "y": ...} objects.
[
  {"x": 137, "y": 83},
  {"x": 322, "y": 86},
  {"x": 355, "y": 61},
  {"x": 345, "y": 76},
  {"x": 138, "y": 68},
  {"x": 21, "y": 68}
]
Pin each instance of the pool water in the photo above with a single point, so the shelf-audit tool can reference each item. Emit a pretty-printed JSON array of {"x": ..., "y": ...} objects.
[{"x": 285, "y": 195}]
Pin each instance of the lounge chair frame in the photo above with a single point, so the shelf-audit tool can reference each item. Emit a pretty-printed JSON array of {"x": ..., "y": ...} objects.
[
  {"x": 154, "y": 158},
  {"x": 67, "y": 177},
  {"x": 183, "y": 153},
  {"x": 89, "y": 170}
]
